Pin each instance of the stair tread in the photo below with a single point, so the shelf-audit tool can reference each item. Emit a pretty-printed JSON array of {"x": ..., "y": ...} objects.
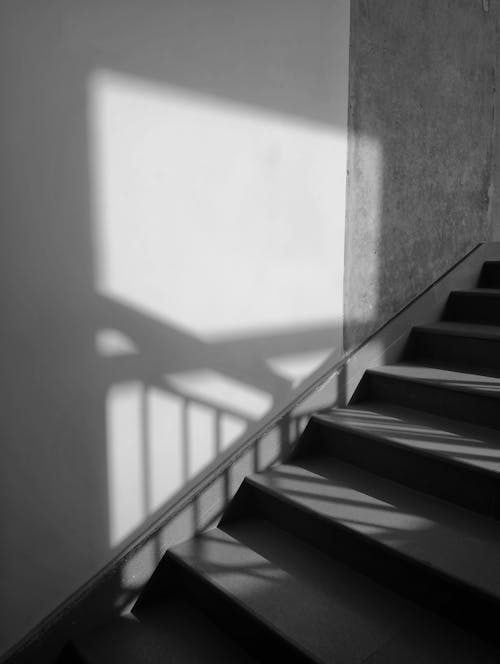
[
  {"x": 330, "y": 612},
  {"x": 315, "y": 559},
  {"x": 458, "y": 543},
  {"x": 462, "y": 329},
  {"x": 159, "y": 637},
  {"x": 442, "y": 376},
  {"x": 455, "y": 441}
]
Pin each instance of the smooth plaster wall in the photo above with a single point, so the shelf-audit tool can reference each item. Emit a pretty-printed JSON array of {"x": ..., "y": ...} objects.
[
  {"x": 172, "y": 220},
  {"x": 422, "y": 89}
]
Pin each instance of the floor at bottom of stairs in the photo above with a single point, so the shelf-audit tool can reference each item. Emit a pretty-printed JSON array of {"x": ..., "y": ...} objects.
[{"x": 173, "y": 631}]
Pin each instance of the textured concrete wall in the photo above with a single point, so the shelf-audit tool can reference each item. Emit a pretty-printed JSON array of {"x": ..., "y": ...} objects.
[
  {"x": 421, "y": 127},
  {"x": 495, "y": 194}
]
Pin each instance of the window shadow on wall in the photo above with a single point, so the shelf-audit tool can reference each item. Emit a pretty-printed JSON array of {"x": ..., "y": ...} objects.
[{"x": 284, "y": 61}]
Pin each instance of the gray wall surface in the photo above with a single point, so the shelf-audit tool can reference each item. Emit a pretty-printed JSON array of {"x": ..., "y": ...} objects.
[
  {"x": 495, "y": 202},
  {"x": 420, "y": 155},
  {"x": 168, "y": 172}
]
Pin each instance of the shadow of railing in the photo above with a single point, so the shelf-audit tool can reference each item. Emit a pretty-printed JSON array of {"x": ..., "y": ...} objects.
[{"x": 158, "y": 357}]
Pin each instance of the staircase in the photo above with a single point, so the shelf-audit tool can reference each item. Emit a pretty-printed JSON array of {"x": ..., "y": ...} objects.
[{"x": 377, "y": 541}]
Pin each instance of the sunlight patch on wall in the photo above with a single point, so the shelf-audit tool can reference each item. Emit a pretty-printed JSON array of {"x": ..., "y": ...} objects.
[
  {"x": 218, "y": 217},
  {"x": 299, "y": 366},
  {"x": 201, "y": 446},
  {"x": 231, "y": 428},
  {"x": 125, "y": 457},
  {"x": 223, "y": 392},
  {"x": 166, "y": 445},
  {"x": 213, "y": 222},
  {"x": 159, "y": 439},
  {"x": 110, "y": 343}
]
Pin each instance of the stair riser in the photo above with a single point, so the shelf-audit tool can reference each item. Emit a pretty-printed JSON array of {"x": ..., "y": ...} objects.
[
  {"x": 462, "y": 351},
  {"x": 490, "y": 275},
  {"x": 464, "y": 486},
  {"x": 461, "y": 405},
  {"x": 261, "y": 641},
  {"x": 463, "y": 605},
  {"x": 70, "y": 655},
  {"x": 473, "y": 308}
]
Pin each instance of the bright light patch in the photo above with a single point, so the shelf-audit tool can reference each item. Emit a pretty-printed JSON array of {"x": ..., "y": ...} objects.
[
  {"x": 231, "y": 428},
  {"x": 110, "y": 343},
  {"x": 222, "y": 392},
  {"x": 221, "y": 221},
  {"x": 202, "y": 445},
  {"x": 299, "y": 366},
  {"x": 125, "y": 451},
  {"x": 167, "y": 440},
  {"x": 219, "y": 217}
]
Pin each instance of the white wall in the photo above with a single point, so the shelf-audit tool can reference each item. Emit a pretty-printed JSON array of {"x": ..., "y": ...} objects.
[{"x": 173, "y": 180}]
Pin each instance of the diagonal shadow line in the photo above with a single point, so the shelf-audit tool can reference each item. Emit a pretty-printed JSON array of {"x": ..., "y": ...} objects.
[{"x": 164, "y": 346}]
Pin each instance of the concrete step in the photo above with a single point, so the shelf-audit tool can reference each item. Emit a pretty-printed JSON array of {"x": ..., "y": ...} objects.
[
  {"x": 208, "y": 570},
  {"x": 490, "y": 275},
  {"x": 377, "y": 543},
  {"x": 325, "y": 609},
  {"x": 435, "y": 553},
  {"x": 446, "y": 458},
  {"x": 479, "y": 305},
  {"x": 463, "y": 344},
  {"x": 442, "y": 390},
  {"x": 171, "y": 632}
]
